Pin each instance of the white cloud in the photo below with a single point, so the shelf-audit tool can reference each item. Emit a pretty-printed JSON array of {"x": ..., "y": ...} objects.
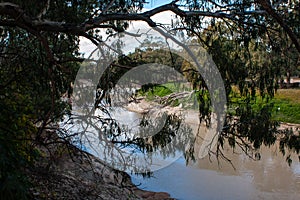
[{"x": 136, "y": 27}]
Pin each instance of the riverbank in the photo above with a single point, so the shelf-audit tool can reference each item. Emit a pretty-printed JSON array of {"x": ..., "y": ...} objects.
[
  {"x": 71, "y": 174},
  {"x": 143, "y": 106}
]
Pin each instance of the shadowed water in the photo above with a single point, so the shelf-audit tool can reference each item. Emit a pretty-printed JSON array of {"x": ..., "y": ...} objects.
[{"x": 268, "y": 178}]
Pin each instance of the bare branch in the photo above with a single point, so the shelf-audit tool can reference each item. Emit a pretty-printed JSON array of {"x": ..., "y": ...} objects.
[{"x": 20, "y": 17}]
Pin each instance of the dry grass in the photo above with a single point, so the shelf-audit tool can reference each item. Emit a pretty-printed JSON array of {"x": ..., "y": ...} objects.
[
  {"x": 293, "y": 95},
  {"x": 288, "y": 100}
]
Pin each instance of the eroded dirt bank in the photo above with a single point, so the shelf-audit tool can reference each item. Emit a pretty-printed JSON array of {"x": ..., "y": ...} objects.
[{"x": 71, "y": 174}]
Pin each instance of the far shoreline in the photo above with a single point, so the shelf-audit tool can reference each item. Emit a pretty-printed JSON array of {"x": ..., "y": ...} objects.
[{"x": 142, "y": 106}]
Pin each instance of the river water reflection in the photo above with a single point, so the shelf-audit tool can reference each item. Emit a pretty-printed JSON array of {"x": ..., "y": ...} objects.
[{"x": 268, "y": 178}]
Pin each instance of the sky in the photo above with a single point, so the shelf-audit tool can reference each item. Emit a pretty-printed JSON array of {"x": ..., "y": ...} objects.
[
  {"x": 156, "y": 3},
  {"x": 137, "y": 26}
]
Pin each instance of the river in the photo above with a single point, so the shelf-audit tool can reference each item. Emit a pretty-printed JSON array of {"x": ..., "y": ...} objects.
[{"x": 268, "y": 178}]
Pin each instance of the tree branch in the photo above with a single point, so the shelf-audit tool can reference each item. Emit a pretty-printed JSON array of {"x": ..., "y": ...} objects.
[
  {"x": 18, "y": 18},
  {"x": 44, "y": 11},
  {"x": 267, "y": 6}
]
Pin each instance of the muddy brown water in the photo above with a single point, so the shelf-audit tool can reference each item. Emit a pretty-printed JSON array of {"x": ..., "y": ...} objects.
[{"x": 268, "y": 178}]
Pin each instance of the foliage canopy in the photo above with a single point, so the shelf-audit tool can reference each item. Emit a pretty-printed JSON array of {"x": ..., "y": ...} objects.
[{"x": 255, "y": 44}]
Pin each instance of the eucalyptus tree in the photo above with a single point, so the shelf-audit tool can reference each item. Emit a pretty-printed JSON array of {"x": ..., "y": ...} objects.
[{"x": 40, "y": 56}]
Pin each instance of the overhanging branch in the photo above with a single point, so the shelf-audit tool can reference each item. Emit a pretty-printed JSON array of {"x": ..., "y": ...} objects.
[
  {"x": 267, "y": 6},
  {"x": 17, "y": 17}
]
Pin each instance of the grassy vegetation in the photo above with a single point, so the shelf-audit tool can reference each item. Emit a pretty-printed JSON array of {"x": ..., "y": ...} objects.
[
  {"x": 286, "y": 101},
  {"x": 151, "y": 92},
  {"x": 287, "y": 105}
]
